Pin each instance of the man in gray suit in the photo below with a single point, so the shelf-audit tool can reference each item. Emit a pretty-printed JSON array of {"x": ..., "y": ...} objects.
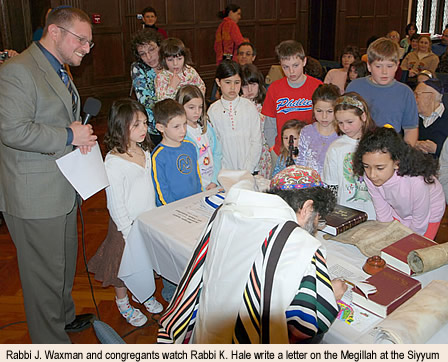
[{"x": 39, "y": 123}]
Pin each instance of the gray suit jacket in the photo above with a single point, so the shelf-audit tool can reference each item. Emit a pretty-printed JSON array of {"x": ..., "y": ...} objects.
[{"x": 35, "y": 109}]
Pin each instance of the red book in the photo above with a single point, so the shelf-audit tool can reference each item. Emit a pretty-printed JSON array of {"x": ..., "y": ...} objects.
[
  {"x": 396, "y": 254},
  {"x": 343, "y": 218},
  {"x": 393, "y": 289}
]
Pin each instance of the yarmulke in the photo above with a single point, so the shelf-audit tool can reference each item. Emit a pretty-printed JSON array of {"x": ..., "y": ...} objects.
[
  {"x": 435, "y": 84},
  {"x": 296, "y": 177}
]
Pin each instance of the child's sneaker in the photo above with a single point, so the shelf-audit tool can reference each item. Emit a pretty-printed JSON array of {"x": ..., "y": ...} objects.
[
  {"x": 133, "y": 315},
  {"x": 153, "y": 306}
]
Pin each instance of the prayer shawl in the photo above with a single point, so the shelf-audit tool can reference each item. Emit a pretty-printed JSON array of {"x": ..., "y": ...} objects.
[{"x": 249, "y": 231}]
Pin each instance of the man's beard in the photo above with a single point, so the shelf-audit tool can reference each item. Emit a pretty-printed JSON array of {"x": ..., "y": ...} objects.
[{"x": 311, "y": 224}]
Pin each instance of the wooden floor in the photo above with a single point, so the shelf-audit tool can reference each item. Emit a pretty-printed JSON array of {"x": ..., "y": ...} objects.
[{"x": 96, "y": 221}]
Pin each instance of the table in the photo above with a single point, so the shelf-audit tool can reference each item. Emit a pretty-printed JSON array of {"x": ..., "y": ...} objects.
[
  {"x": 162, "y": 239},
  {"x": 166, "y": 247}
]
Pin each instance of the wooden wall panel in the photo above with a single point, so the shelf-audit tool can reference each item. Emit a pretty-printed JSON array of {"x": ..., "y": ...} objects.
[
  {"x": 357, "y": 20},
  {"x": 207, "y": 11},
  {"x": 287, "y": 10},
  {"x": 181, "y": 13},
  {"x": 266, "y": 10},
  {"x": 247, "y": 8},
  {"x": 105, "y": 72}
]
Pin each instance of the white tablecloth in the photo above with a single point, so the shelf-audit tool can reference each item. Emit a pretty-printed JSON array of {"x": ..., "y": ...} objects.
[{"x": 164, "y": 238}]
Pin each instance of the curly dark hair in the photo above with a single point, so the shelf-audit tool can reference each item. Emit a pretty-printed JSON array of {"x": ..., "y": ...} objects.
[
  {"x": 411, "y": 162},
  {"x": 120, "y": 119},
  {"x": 144, "y": 37},
  {"x": 251, "y": 74},
  {"x": 323, "y": 198}
]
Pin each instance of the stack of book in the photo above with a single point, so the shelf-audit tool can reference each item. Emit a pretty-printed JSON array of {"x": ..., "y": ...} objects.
[{"x": 393, "y": 289}]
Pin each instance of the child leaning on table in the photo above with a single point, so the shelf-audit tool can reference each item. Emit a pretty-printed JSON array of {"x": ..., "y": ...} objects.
[
  {"x": 175, "y": 171},
  {"x": 129, "y": 194},
  {"x": 401, "y": 181}
]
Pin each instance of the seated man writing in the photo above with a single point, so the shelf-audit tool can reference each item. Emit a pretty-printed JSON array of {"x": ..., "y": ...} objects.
[{"x": 258, "y": 275}]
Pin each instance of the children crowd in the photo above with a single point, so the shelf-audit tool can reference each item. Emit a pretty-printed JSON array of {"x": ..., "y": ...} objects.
[{"x": 357, "y": 129}]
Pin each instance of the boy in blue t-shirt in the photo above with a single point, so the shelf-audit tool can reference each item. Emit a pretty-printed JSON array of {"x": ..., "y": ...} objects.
[
  {"x": 390, "y": 102},
  {"x": 174, "y": 169}
]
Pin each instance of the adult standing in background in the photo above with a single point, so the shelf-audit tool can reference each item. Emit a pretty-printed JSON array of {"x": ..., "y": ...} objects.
[
  {"x": 228, "y": 35},
  {"x": 145, "y": 47},
  {"x": 39, "y": 123},
  {"x": 149, "y": 21}
]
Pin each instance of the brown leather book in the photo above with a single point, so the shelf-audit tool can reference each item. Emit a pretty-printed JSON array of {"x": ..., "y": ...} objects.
[
  {"x": 343, "y": 218},
  {"x": 393, "y": 289},
  {"x": 396, "y": 254}
]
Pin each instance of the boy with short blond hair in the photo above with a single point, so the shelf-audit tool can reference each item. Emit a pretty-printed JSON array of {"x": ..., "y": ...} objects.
[
  {"x": 289, "y": 97},
  {"x": 175, "y": 170},
  {"x": 390, "y": 102}
]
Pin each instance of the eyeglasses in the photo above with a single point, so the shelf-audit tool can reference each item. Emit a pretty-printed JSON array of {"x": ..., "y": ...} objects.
[
  {"x": 248, "y": 54},
  {"x": 321, "y": 223},
  {"x": 148, "y": 51},
  {"x": 81, "y": 39}
]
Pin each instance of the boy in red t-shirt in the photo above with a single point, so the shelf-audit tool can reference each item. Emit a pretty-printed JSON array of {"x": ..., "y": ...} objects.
[{"x": 289, "y": 97}]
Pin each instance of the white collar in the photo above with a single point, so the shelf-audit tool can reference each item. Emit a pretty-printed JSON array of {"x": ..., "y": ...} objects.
[{"x": 429, "y": 120}]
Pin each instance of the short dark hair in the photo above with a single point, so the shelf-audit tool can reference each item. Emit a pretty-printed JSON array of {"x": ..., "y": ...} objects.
[
  {"x": 143, "y": 37},
  {"x": 228, "y": 68},
  {"x": 251, "y": 74},
  {"x": 121, "y": 115},
  {"x": 323, "y": 198},
  {"x": 165, "y": 110},
  {"x": 65, "y": 16},
  {"x": 353, "y": 50},
  {"x": 173, "y": 47},
  {"x": 149, "y": 9},
  {"x": 411, "y": 162},
  {"x": 247, "y": 43}
]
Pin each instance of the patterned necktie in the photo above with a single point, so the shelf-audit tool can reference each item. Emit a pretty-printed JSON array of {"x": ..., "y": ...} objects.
[{"x": 66, "y": 79}]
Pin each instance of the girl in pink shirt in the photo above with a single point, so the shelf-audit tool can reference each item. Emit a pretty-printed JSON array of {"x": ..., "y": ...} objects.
[{"x": 401, "y": 181}]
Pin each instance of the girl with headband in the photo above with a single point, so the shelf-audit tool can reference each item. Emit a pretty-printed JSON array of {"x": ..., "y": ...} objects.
[{"x": 353, "y": 120}]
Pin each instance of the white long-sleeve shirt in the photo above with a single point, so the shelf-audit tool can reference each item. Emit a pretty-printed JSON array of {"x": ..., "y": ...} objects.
[
  {"x": 131, "y": 191},
  {"x": 237, "y": 126}
]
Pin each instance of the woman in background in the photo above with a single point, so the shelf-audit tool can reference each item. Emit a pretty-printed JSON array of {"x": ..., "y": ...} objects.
[{"x": 228, "y": 35}]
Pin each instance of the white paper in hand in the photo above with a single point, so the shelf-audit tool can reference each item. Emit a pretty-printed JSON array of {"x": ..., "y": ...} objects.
[{"x": 86, "y": 173}]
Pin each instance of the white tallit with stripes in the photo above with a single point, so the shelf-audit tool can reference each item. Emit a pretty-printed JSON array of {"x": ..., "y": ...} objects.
[{"x": 234, "y": 243}]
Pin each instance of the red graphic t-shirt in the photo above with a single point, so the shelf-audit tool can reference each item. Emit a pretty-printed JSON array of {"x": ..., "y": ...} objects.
[{"x": 284, "y": 103}]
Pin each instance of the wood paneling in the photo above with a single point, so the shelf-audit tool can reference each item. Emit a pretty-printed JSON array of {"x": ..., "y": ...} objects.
[
  {"x": 105, "y": 72},
  {"x": 357, "y": 20}
]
